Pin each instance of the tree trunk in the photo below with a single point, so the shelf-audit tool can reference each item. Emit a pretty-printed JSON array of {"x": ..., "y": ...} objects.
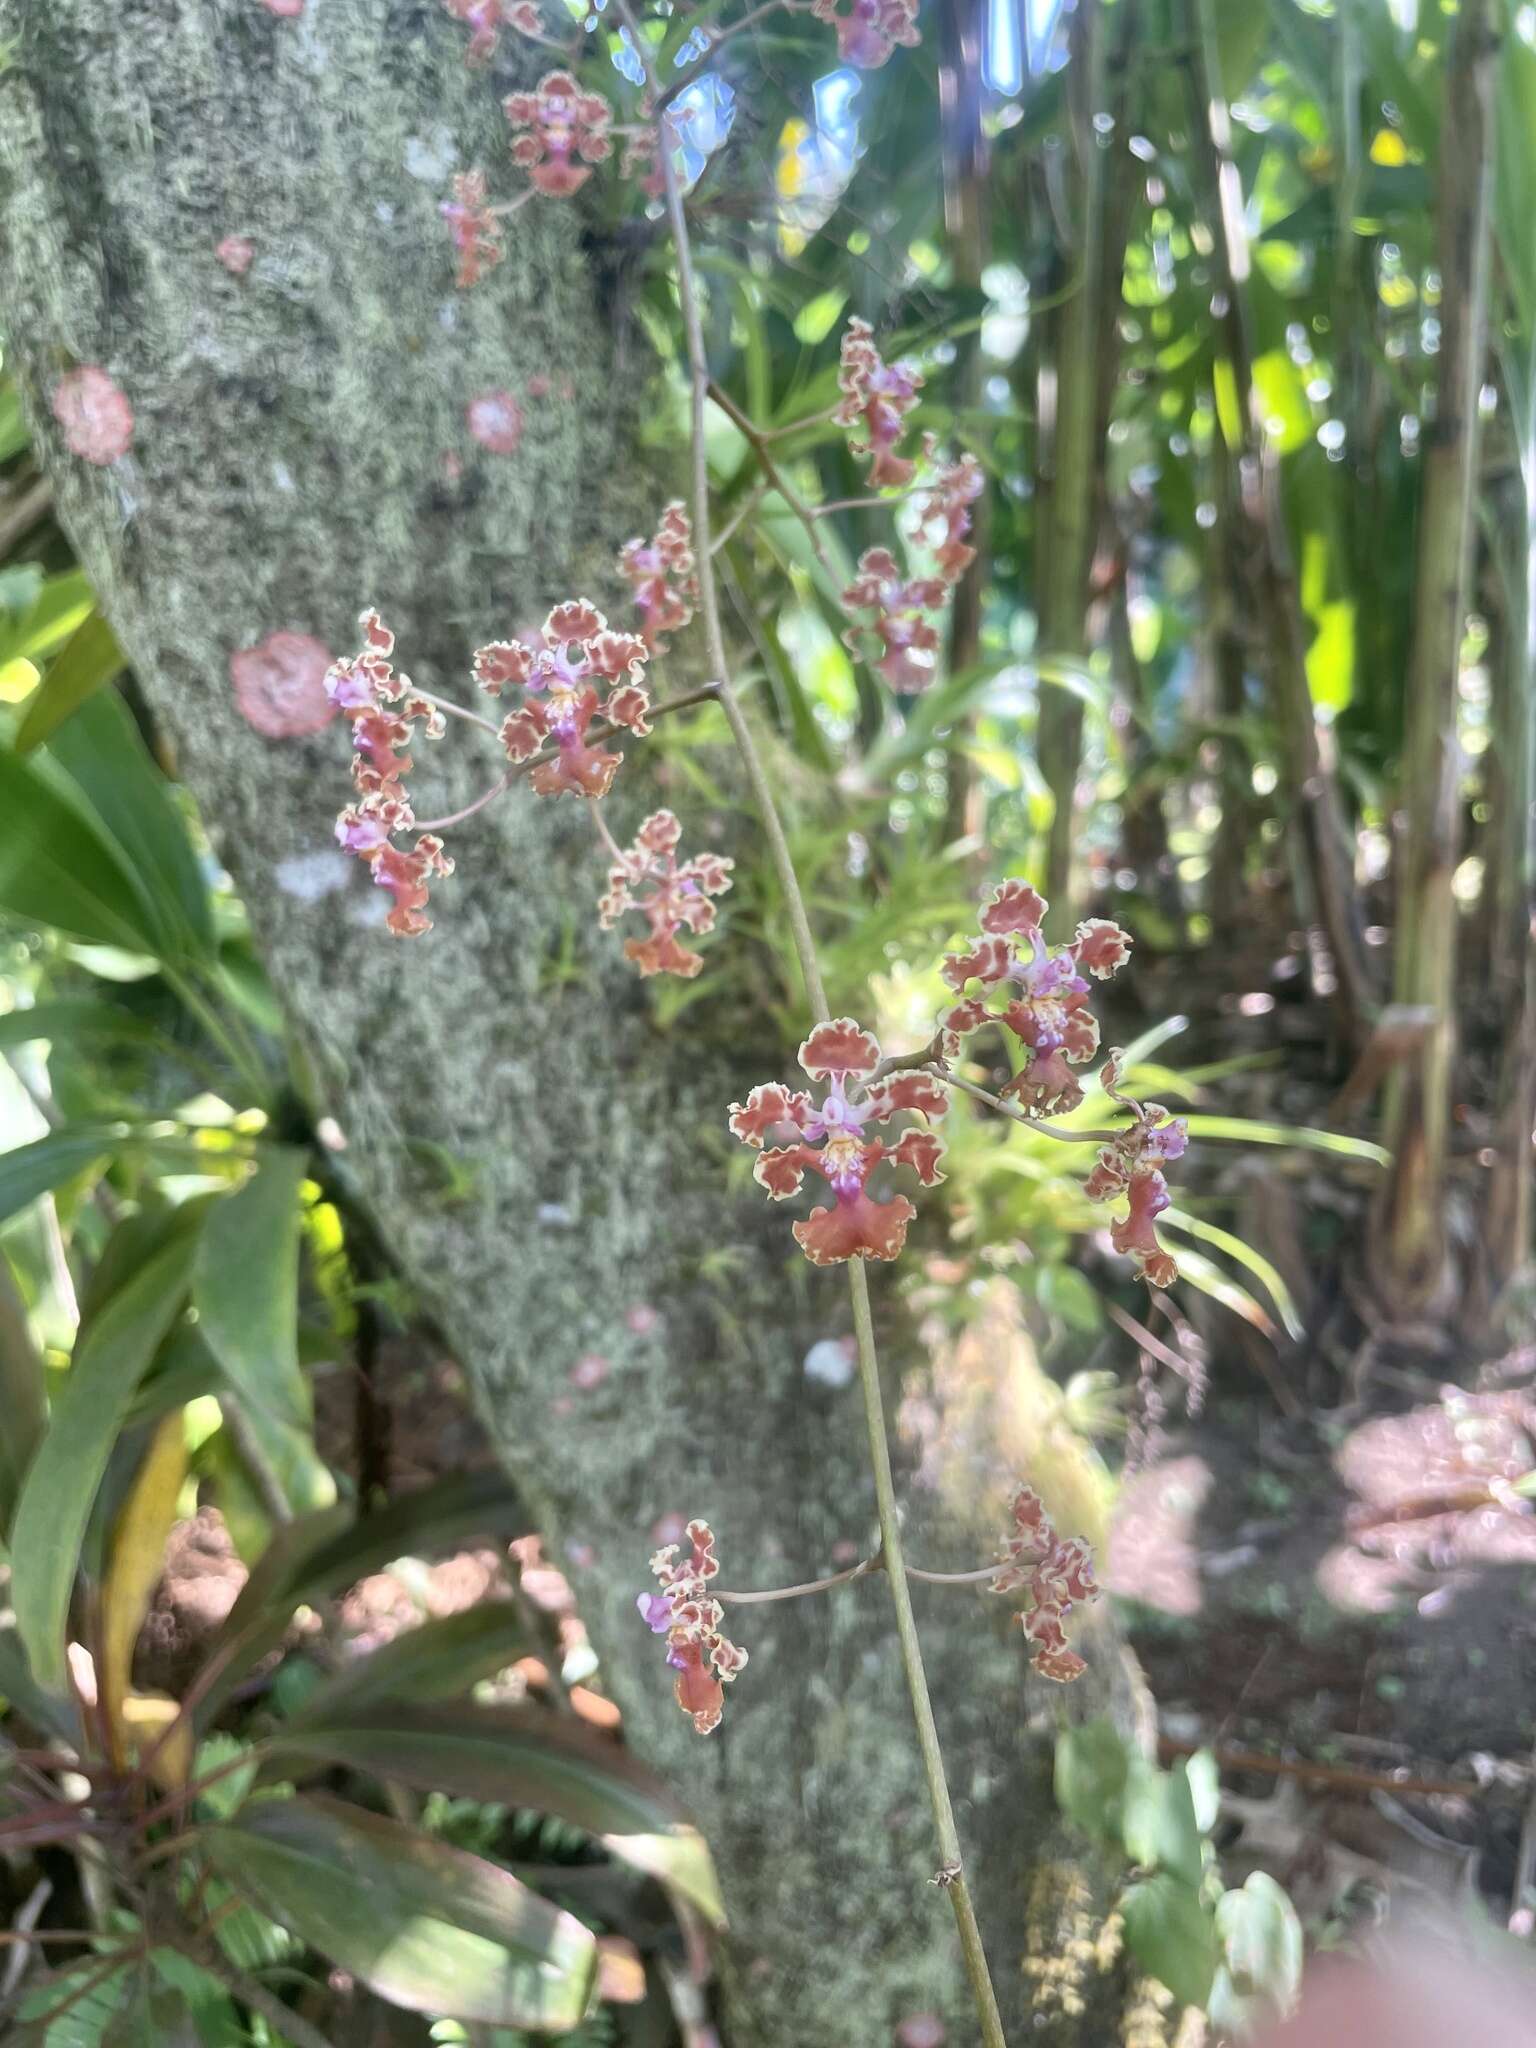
[
  {"x": 290, "y": 465},
  {"x": 1411, "y": 1248}
]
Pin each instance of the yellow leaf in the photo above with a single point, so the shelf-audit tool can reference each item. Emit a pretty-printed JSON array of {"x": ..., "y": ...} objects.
[
  {"x": 1388, "y": 147},
  {"x": 142, "y": 1720},
  {"x": 137, "y": 1553}
]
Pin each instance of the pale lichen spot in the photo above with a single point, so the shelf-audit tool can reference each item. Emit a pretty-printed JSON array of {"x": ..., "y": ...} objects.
[
  {"x": 431, "y": 159},
  {"x": 310, "y": 876}
]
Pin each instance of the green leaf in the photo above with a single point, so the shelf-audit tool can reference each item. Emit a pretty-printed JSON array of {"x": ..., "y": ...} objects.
[
  {"x": 1242, "y": 1130},
  {"x": 1205, "y": 1788},
  {"x": 23, "y": 1399},
  {"x": 1092, "y": 1763},
  {"x": 1261, "y": 1940},
  {"x": 63, "y": 605},
  {"x": 1260, "y": 1267},
  {"x": 1171, "y": 1935},
  {"x": 245, "y": 1287},
  {"x": 96, "y": 2003},
  {"x": 322, "y": 1554},
  {"x": 71, "y": 1018},
  {"x": 49, "y": 1713},
  {"x": 88, "y": 1411},
  {"x": 27, "y": 1171},
  {"x": 100, "y": 751},
  {"x": 89, "y": 659},
  {"x": 440, "y": 1660},
  {"x": 515, "y": 1756},
  {"x": 58, "y": 869},
  {"x": 1157, "y": 1822},
  {"x": 427, "y": 1927}
]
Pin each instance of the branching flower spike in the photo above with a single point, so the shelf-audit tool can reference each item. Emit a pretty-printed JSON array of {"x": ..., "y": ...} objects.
[
  {"x": 678, "y": 901},
  {"x": 475, "y": 229},
  {"x": 683, "y": 1612},
  {"x": 567, "y": 133},
  {"x": 384, "y": 710},
  {"x": 1045, "y": 995},
  {"x": 876, "y": 398},
  {"x": 869, "y": 30},
  {"x": 1132, "y": 1166},
  {"x": 908, "y": 640},
  {"x": 1058, "y": 1573},
  {"x": 660, "y": 571},
  {"x": 580, "y": 669},
  {"x": 829, "y": 1138}
]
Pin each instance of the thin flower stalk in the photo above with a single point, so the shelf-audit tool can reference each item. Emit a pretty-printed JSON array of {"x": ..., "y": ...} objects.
[{"x": 950, "y": 1862}]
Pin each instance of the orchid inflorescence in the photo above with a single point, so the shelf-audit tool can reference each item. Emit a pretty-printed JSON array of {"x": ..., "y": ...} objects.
[
  {"x": 685, "y": 1612},
  {"x": 579, "y": 683},
  {"x": 1055, "y": 1571},
  {"x": 1058, "y": 1574}
]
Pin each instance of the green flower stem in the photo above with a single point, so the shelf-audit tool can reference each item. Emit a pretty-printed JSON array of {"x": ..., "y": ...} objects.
[{"x": 951, "y": 1875}]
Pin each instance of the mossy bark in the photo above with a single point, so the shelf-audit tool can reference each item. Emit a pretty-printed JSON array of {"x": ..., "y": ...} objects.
[{"x": 288, "y": 467}]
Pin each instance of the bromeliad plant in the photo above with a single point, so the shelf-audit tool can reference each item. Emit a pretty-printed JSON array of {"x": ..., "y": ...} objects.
[{"x": 581, "y": 690}]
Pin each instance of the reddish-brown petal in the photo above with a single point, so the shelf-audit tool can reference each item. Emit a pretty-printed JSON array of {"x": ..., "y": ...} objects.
[
  {"x": 768, "y": 1106},
  {"x": 910, "y": 1091},
  {"x": 1015, "y": 907},
  {"x": 1046, "y": 1084},
  {"x": 627, "y": 706},
  {"x": 958, "y": 1022},
  {"x": 524, "y": 732},
  {"x": 659, "y": 833},
  {"x": 862, "y": 1228},
  {"x": 991, "y": 960},
  {"x": 280, "y": 685},
  {"x": 1063, "y": 1665},
  {"x": 576, "y": 771},
  {"x": 663, "y": 955},
  {"x": 782, "y": 1172},
  {"x": 699, "y": 1693},
  {"x": 1101, "y": 947},
  {"x": 575, "y": 620},
  {"x": 839, "y": 1047},
  {"x": 94, "y": 416},
  {"x": 922, "y": 1151},
  {"x": 1080, "y": 1034},
  {"x": 502, "y": 662}
]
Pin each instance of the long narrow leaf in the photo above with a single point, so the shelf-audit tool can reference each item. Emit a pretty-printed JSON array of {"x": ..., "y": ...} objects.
[
  {"x": 88, "y": 1410},
  {"x": 428, "y": 1927}
]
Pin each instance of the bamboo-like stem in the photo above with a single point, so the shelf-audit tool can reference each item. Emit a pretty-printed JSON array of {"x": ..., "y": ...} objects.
[
  {"x": 1252, "y": 490},
  {"x": 1511, "y": 1207},
  {"x": 951, "y": 1872},
  {"x": 966, "y": 231},
  {"x": 1410, "y": 1223},
  {"x": 1069, "y": 456}
]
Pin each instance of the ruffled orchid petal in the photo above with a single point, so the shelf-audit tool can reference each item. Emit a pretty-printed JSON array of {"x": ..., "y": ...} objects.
[
  {"x": 501, "y": 662},
  {"x": 628, "y": 707},
  {"x": 524, "y": 732},
  {"x": 924, "y": 1093},
  {"x": 1015, "y": 907},
  {"x": 781, "y": 1172},
  {"x": 922, "y": 1151},
  {"x": 859, "y": 1229},
  {"x": 768, "y": 1107},
  {"x": 989, "y": 961},
  {"x": 660, "y": 833},
  {"x": 1101, "y": 947},
  {"x": 840, "y": 1047}
]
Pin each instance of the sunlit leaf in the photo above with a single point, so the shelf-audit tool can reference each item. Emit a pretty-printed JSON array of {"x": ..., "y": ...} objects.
[
  {"x": 61, "y": 1483},
  {"x": 427, "y": 1927}
]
